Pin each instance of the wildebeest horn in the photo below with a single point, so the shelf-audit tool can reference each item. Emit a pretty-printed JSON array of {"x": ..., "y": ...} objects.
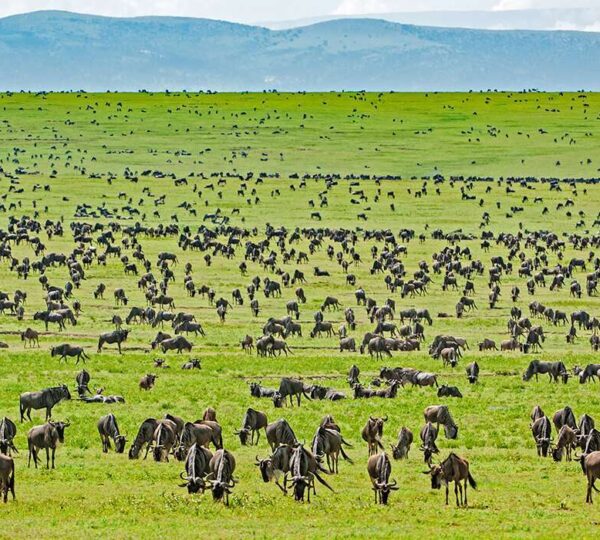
[
  {"x": 183, "y": 477},
  {"x": 394, "y": 483}
]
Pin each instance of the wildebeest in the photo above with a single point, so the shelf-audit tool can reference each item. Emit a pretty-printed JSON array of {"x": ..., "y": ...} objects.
[
  {"x": 116, "y": 336},
  {"x": 252, "y": 423},
  {"x": 109, "y": 429},
  {"x": 83, "y": 379},
  {"x": 220, "y": 477},
  {"x": 402, "y": 447},
  {"x": 7, "y": 476},
  {"x": 144, "y": 437},
  {"x": 372, "y": 433},
  {"x": 590, "y": 465},
  {"x": 196, "y": 468},
  {"x": 564, "y": 417},
  {"x": 380, "y": 469},
  {"x": 329, "y": 443},
  {"x": 428, "y": 435},
  {"x": 567, "y": 440},
  {"x": 440, "y": 414},
  {"x": 278, "y": 464},
  {"x": 31, "y": 337},
  {"x": 44, "y": 399},
  {"x": 280, "y": 432},
  {"x": 65, "y": 350},
  {"x": 453, "y": 469},
  {"x": 448, "y": 391},
  {"x": 8, "y": 430},
  {"x": 147, "y": 381},
  {"x": 45, "y": 437},
  {"x": 555, "y": 370},
  {"x": 473, "y": 372},
  {"x": 541, "y": 430},
  {"x": 292, "y": 387},
  {"x": 163, "y": 439},
  {"x": 304, "y": 468},
  {"x": 178, "y": 343}
]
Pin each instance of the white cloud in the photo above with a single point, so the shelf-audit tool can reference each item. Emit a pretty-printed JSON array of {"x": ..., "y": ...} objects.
[{"x": 361, "y": 7}]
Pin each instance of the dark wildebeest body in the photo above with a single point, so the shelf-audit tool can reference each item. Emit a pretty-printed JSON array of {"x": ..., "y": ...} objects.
[
  {"x": 144, "y": 436},
  {"x": 109, "y": 429},
  {"x": 372, "y": 433},
  {"x": 453, "y": 469},
  {"x": 428, "y": 437},
  {"x": 541, "y": 430},
  {"x": 196, "y": 468},
  {"x": 290, "y": 388},
  {"x": 116, "y": 336},
  {"x": 440, "y": 414},
  {"x": 402, "y": 447},
  {"x": 328, "y": 442},
  {"x": 222, "y": 467},
  {"x": 65, "y": 350},
  {"x": 44, "y": 399},
  {"x": 7, "y": 476},
  {"x": 45, "y": 437},
  {"x": 380, "y": 469},
  {"x": 8, "y": 430},
  {"x": 280, "y": 432},
  {"x": 555, "y": 370},
  {"x": 252, "y": 423}
]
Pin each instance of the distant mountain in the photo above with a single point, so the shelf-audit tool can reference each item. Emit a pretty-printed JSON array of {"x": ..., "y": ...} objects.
[
  {"x": 585, "y": 19},
  {"x": 59, "y": 50}
]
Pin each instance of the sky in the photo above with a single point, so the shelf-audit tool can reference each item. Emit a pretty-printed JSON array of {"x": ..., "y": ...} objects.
[{"x": 250, "y": 11}]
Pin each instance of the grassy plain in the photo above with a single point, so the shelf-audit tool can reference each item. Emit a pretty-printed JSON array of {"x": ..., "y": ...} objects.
[{"x": 64, "y": 139}]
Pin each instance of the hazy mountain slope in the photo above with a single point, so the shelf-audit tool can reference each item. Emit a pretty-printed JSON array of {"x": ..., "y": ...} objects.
[{"x": 58, "y": 50}]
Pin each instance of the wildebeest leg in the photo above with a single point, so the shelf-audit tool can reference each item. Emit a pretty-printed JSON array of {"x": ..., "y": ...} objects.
[
  {"x": 456, "y": 488},
  {"x": 147, "y": 450},
  {"x": 119, "y": 347},
  {"x": 466, "y": 503},
  {"x": 47, "y": 458},
  {"x": 447, "y": 488},
  {"x": 48, "y": 413}
]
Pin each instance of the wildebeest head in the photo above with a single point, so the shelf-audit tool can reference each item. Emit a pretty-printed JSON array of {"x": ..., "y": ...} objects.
[
  {"x": 120, "y": 441},
  {"x": 277, "y": 400},
  {"x": 265, "y": 466},
  {"x": 193, "y": 484},
  {"x": 451, "y": 431},
  {"x": 557, "y": 454},
  {"x": 219, "y": 489},
  {"x": 385, "y": 488},
  {"x": 60, "y": 429},
  {"x": 66, "y": 393},
  {"x": 436, "y": 476},
  {"x": 300, "y": 483},
  {"x": 243, "y": 434}
]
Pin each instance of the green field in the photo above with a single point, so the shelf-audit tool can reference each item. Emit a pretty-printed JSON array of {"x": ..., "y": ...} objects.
[{"x": 87, "y": 147}]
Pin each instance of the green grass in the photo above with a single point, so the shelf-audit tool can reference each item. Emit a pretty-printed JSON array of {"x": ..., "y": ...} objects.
[{"x": 91, "y": 494}]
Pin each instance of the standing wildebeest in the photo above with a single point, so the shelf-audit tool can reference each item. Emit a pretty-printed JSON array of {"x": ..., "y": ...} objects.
[
  {"x": 591, "y": 371},
  {"x": 353, "y": 374},
  {"x": 65, "y": 350},
  {"x": 402, "y": 447},
  {"x": 553, "y": 369},
  {"x": 252, "y": 423},
  {"x": 7, "y": 476},
  {"x": 8, "y": 430},
  {"x": 144, "y": 437},
  {"x": 473, "y": 372},
  {"x": 116, "y": 336},
  {"x": 380, "y": 469},
  {"x": 276, "y": 465},
  {"x": 590, "y": 465},
  {"x": 44, "y": 399},
  {"x": 428, "y": 435},
  {"x": 541, "y": 429},
  {"x": 564, "y": 417},
  {"x": 30, "y": 336},
  {"x": 372, "y": 433},
  {"x": 328, "y": 442},
  {"x": 109, "y": 429},
  {"x": 452, "y": 469},
  {"x": 567, "y": 440},
  {"x": 47, "y": 436},
  {"x": 178, "y": 343},
  {"x": 280, "y": 432},
  {"x": 304, "y": 468},
  {"x": 221, "y": 467},
  {"x": 196, "y": 468},
  {"x": 164, "y": 438},
  {"x": 439, "y": 414},
  {"x": 290, "y": 388}
]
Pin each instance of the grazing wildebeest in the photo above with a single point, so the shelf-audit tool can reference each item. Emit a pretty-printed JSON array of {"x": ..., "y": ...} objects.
[
  {"x": 144, "y": 437},
  {"x": 453, "y": 469},
  {"x": 163, "y": 439},
  {"x": 292, "y": 387},
  {"x": 487, "y": 345},
  {"x": 278, "y": 464},
  {"x": 196, "y": 468},
  {"x": 116, "y": 336},
  {"x": 8, "y": 430},
  {"x": 541, "y": 430},
  {"x": 31, "y": 337},
  {"x": 328, "y": 442},
  {"x": 440, "y": 414},
  {"x": 178, "y": 343},
  {"x": 65, "y": 350},
  {"x": 591, "y": 371},
  {"x": 280, "y": 432},
  {"x": 7, "y": 476},
  {"x": 372, "y": 433},
  {"x": 428, "y": 435},
  {"x": 590, "y": 465},
  {"x": 194, "y": 363},
  {"x": 555, "y": 370},
  {"x": 330, "y": 303},
  {"x": 45, "y": 437},
  {"x": 448, "y": 391},
  {"x": 44, "y": 399},
  {"x": 109, "y": 429},
  {"x": 304, "y": 468},
  {"x": 567, "y": 440},
  {"x": 252, "y": 423},
  {"x": 221, "y": 467},
  {"x": 564, "y": 417},
  {"x": 536, "y": 413},
  {"x": 402, "y": 447},
  {"x": 473, "y": 372},
  {"x": 380, "y": 469}
]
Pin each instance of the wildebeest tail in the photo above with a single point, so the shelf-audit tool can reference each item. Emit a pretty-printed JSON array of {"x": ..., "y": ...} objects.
[
  {"x": 346, "y": 442},
  {"x": 322, "y": 481},
  {"x": 472, "y": 482},
  {"x": 346, "y": 456}
]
